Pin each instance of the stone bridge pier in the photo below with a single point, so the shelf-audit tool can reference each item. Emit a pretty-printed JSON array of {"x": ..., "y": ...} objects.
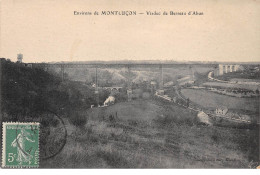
[
  {"x": 96, "y": 86},
  {"x": 129, "y": 84}
]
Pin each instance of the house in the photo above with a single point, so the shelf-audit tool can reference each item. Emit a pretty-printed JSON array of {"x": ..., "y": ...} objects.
[{"x": 222, "y": 110}]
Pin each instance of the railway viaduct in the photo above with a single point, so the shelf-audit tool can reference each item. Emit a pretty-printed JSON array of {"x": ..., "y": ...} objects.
[{"x": 97, "y": 66}]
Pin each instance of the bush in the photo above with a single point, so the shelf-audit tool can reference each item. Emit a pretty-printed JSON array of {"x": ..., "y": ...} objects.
[
  {"x": 146, "y": 95},
  {"x": 175, "y": 119},
  {"x": 120, "y": 97},
  {"x": 77, "y": 119}
]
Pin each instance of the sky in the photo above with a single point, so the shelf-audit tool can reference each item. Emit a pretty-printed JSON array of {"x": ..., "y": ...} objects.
[{"x": 48, "y": 30}]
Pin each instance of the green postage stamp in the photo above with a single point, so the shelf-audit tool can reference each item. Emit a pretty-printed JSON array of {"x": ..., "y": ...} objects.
[{"x": 20, "y": 147}]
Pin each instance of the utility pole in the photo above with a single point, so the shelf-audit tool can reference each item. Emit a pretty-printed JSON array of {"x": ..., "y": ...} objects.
[
  {"x": 161, "y": 78},
  {"x": 191, "y": 72},
  {"x": 128, "y": 78},
  {"x": 160, "y": 91}
]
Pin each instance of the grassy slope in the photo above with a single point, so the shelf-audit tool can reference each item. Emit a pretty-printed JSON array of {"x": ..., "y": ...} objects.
[{"x": 165, "y": 137}]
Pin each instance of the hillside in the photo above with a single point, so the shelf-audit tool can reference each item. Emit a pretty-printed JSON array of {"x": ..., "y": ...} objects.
[
  {"x": 153, "y": 134},
  {"x": 28, "y": 91}
]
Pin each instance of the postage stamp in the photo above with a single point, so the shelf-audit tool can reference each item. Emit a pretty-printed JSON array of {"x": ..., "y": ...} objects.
[{"x": 20, "y": 147}]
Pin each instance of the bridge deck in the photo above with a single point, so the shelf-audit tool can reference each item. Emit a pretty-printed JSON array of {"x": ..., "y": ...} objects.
[{"x": 120, "y": 65}]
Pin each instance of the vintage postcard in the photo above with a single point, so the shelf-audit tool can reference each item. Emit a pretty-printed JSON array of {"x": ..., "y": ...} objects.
[{"x": 130, "y": 84}]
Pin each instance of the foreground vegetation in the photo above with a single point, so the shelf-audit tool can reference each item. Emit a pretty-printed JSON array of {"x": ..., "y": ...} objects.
[
  {"x": 152, "y": 134},
  {"x": 31, "y": 91}
]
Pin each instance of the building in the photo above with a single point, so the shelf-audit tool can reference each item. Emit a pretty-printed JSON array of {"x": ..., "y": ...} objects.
[
  {"x": 228, "y": 68},
  {"x": 221, "y": 110}
]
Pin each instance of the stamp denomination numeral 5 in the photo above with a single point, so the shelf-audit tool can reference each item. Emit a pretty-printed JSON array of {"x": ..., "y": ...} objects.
[{"x": 11, "y": 157}]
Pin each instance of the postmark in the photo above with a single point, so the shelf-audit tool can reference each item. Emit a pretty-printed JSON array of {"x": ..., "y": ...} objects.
[
  {"x": 20, "y": 147},
  {"x": 53, "y": 135}
]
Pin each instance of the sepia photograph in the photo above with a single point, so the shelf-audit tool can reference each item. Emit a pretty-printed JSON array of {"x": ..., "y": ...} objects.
[{"x": 129, "y": 84}]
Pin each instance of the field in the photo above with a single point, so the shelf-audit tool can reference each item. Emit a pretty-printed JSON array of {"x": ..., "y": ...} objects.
[
  {"x": 252, "y": 87},
  {"x": 149, "y": 134},
  {"x": 212, "y": 100}
]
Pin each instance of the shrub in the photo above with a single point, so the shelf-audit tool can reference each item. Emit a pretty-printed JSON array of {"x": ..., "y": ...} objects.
[
  {"x": 120, "y": 96},
  {"x": 77, "y": 119}
]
